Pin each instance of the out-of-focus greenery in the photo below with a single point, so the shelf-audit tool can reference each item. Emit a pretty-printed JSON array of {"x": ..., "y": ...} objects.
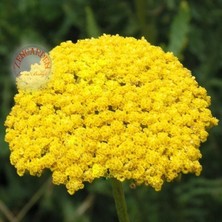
[{"x": 191, "y": 29}]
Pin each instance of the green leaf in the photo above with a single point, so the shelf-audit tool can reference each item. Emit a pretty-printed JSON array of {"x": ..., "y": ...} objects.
[
  {"x": 179, "y": 29},
  {"x": 92, "y": 28}
]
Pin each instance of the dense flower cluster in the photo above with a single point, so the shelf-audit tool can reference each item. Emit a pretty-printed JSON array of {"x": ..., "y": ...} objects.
[{"x": 114, "y": 107}]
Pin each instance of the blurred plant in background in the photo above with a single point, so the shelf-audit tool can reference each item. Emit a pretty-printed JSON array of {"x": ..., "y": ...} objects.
[{"x": 191, "y": 29}]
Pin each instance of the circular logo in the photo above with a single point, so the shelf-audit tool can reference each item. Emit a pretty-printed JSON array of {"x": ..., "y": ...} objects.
[{"x": 31, "y": 67}]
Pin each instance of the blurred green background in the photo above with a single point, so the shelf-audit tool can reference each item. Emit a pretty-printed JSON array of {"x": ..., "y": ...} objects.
[{"x": 191, "y": 29}]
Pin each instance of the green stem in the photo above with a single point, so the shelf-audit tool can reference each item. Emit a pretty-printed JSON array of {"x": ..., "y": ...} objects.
[{"x": 120, "y": 202}]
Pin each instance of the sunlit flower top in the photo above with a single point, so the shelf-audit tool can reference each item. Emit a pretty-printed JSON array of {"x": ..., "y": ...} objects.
[{"x": 114, "y": 107}]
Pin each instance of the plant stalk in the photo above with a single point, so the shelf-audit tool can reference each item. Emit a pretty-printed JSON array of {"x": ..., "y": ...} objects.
[{"x": 120, "y": 202}]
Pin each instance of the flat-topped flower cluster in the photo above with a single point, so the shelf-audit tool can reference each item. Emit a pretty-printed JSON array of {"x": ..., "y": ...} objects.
[{"x": 114, "y": 107}]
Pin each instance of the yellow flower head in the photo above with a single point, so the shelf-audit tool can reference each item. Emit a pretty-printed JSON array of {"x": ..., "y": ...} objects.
[{"x": 113, "y": 107}]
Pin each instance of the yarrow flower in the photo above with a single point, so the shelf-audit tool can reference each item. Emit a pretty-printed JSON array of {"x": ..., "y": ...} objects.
[{"x": 114, "y": 107}]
